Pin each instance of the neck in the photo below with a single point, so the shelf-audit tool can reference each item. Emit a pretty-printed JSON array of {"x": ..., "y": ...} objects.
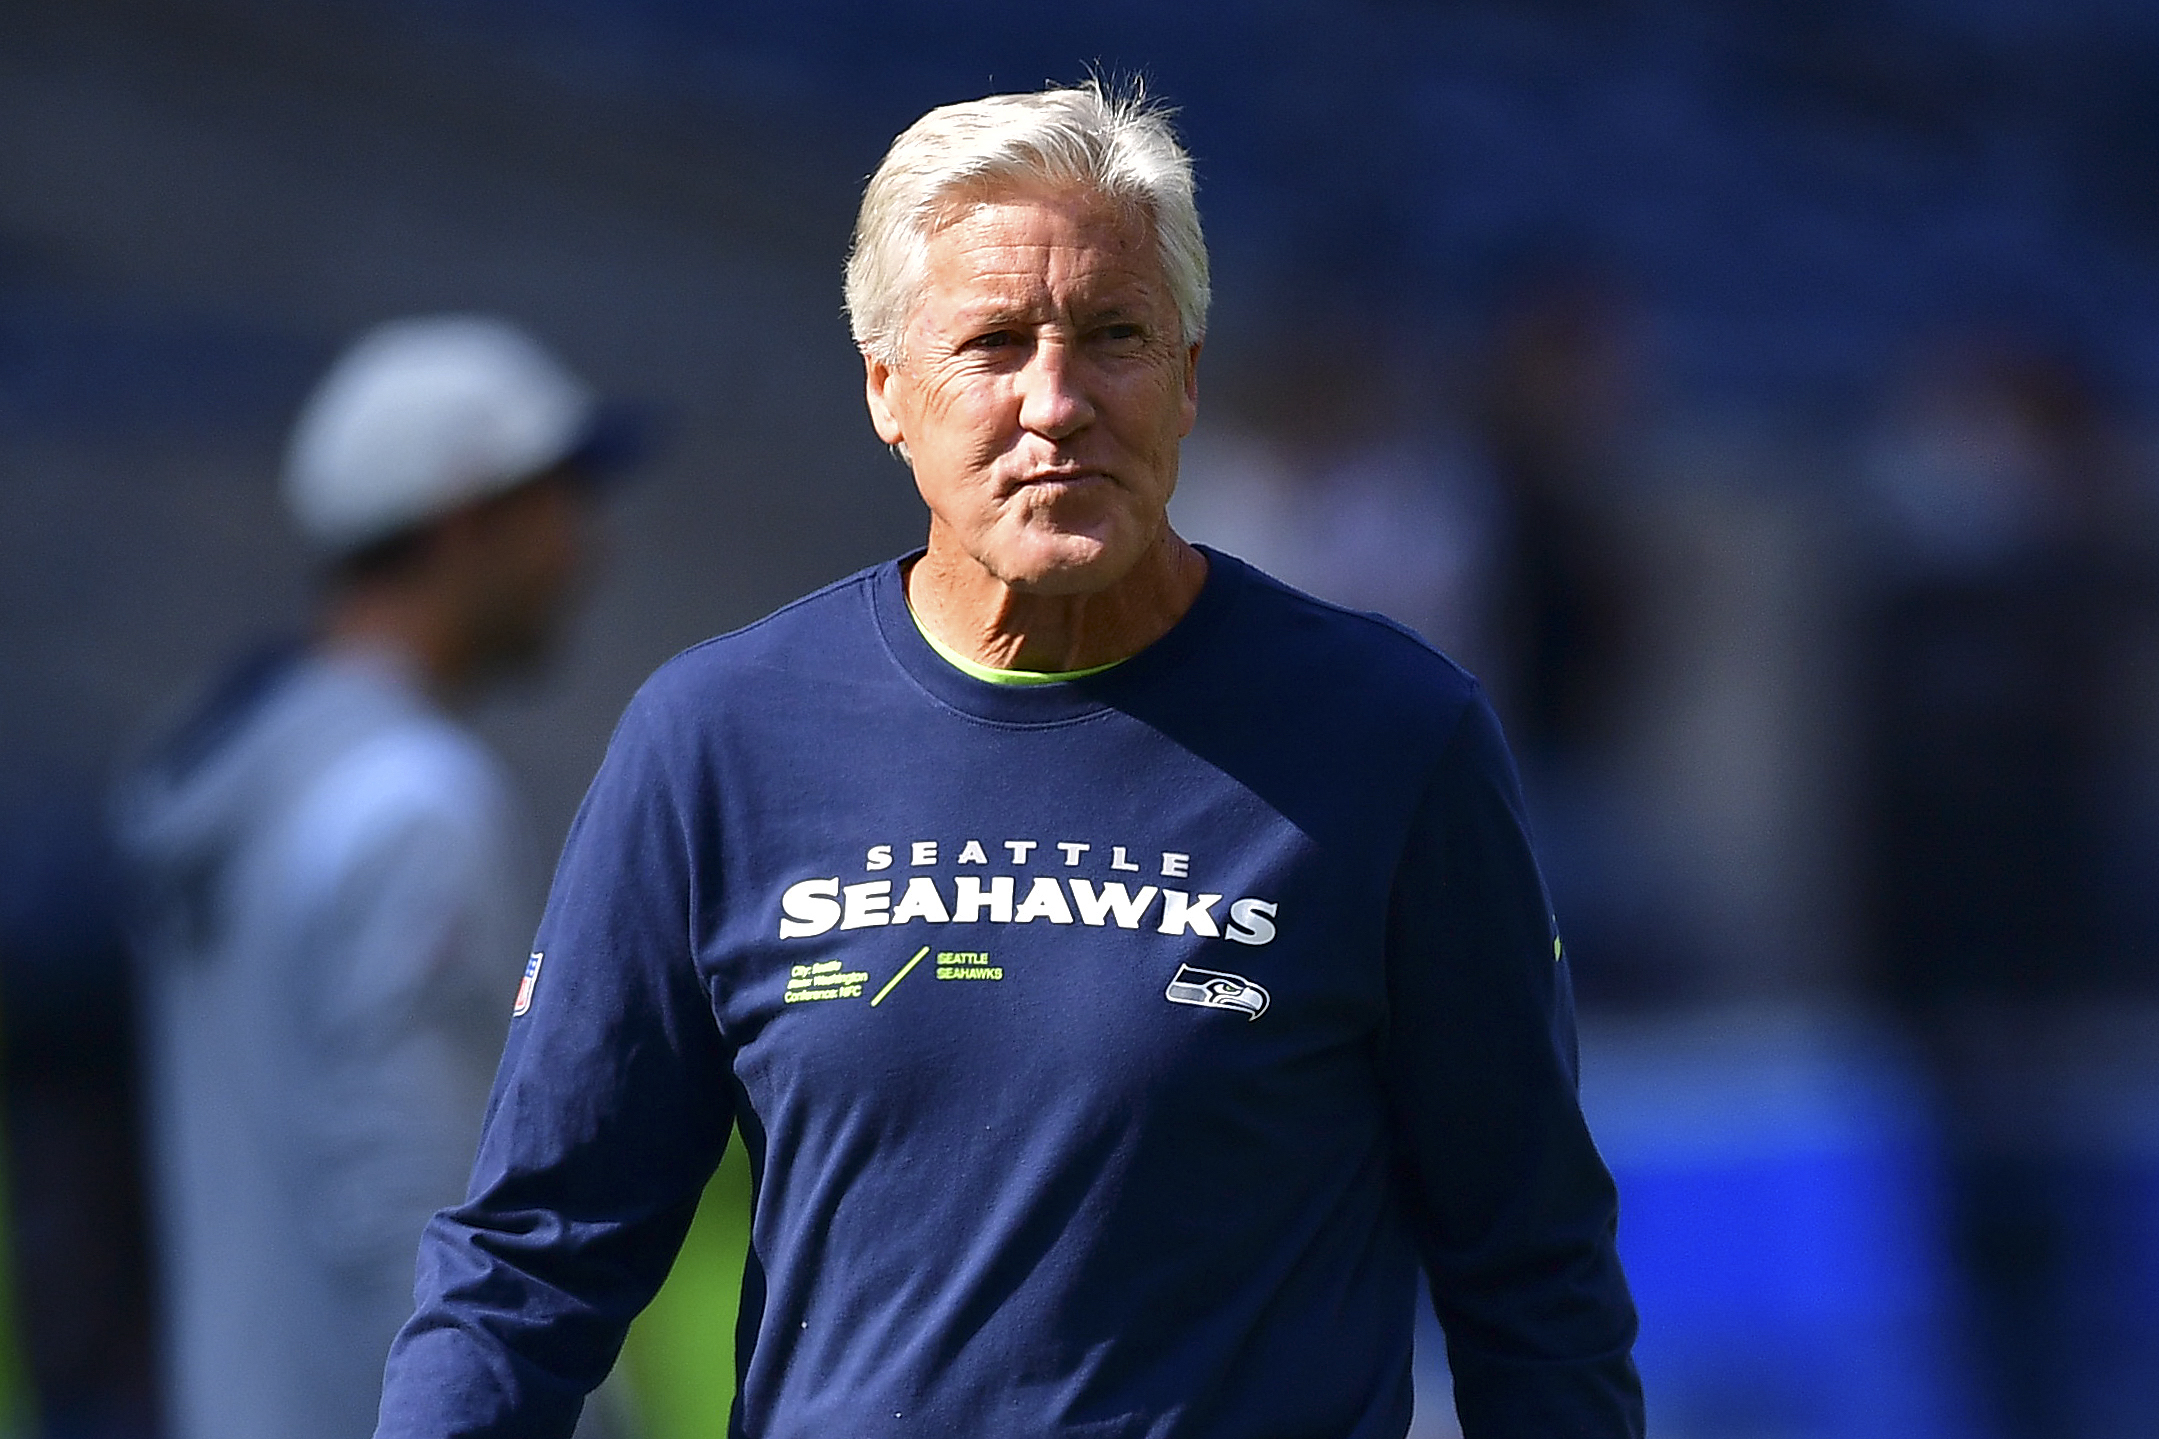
[
  {"x": 397, "y": 619},
  {"x": 977, "y": 615}
]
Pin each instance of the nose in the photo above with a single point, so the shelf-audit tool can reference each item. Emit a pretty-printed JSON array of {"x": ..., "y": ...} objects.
[{"x": 1053, "y": 403}]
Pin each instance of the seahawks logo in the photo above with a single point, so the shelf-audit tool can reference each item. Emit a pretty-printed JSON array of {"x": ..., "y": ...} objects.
[{"x": 1212, "y": 989}]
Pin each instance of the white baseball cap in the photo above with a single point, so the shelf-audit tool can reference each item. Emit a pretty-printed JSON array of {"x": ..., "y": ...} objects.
[{"x": 421, "y": 416}]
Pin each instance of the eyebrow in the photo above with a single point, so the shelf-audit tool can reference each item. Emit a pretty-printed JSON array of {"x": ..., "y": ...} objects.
[
  {"x": 992, "y": 315},
  {"x": 974, "y": 317}
]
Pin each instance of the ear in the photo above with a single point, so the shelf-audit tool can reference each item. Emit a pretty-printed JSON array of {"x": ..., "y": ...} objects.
[
  {"x": 1191, "y": 387},
  {"x": 878, "y": 382}
]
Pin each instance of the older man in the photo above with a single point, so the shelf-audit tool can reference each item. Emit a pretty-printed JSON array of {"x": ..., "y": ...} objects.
[{"x": 1125, "y": 972}]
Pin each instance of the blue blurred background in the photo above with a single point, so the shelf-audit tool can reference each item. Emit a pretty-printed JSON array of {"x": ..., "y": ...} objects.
[{"x": 1759, "y": 397}]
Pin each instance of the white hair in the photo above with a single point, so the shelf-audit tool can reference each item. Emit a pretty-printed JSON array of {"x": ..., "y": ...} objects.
[{"x": 1114, "y": 142}]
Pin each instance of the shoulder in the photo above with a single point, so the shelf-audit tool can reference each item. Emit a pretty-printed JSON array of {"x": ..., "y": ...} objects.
[
  {"x": 1337, "y": 718},
  {"x": 772, "y": 681},
  {"x": 426, "y": 766},
  {"x": 360, "y": 790},
  {"x": 370, "y": 759},
  {"x": 816, "y": 635},
  {"x": 411, "y": 776},
  {"x": 1339, "y": 657}
]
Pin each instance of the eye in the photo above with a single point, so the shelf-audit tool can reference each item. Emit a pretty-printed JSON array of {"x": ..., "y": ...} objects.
[
  {"x": 1120, "y": 334},
  {"x": 993, "y": 340}
]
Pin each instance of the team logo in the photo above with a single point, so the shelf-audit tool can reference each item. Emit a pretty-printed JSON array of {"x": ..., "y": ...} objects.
[
  {"x": 524, "y": 988},
  {"x": 1212, "y": 989}
]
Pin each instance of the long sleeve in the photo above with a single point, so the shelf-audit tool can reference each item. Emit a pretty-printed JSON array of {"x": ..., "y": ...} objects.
[
  {"x": 394, "y": 883},
  {"x": 609, "y": 1112},
  {"x": 1513, "y": 1212}
]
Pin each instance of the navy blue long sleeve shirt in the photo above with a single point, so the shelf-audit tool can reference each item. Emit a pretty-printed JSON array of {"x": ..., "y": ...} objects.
[{"x": 1110, "y": 1054}]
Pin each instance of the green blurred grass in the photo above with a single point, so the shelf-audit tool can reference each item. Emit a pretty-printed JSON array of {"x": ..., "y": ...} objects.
[{"x": 680, "y": 1356}]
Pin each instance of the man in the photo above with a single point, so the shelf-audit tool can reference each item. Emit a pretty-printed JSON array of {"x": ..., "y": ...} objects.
[
  {"x": 1124, "y": 971},
  {"x": 332, "y": 899}
]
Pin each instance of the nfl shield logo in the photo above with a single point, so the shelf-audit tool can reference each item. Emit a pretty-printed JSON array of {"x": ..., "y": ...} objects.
[{"x": 524, "y": 988}]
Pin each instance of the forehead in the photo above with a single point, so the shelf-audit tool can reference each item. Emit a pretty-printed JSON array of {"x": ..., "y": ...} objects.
[{"x": 1036, "y": 248}]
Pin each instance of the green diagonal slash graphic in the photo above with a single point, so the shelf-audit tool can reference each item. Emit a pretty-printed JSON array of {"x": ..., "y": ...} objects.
[{"x": 895, "y": 979}]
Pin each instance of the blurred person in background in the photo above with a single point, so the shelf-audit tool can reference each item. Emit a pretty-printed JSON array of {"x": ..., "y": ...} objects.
[
  {"x": 1560, "y": 405},
  {"x": 331, "y": 878},
  {"x": 1558, "y": 416},
  {"x": 2001, "y": 658},
  {"x": 1339, "y": 476}
]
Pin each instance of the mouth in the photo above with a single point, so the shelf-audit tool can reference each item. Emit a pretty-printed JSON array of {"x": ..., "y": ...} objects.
[{"x": 1059, "y": 480}]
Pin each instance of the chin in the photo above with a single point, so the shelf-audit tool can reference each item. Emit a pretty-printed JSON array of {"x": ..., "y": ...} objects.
[{"x": 1065, "y": 564}]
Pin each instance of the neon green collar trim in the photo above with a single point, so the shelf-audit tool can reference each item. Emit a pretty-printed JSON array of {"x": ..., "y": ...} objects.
[{"x": 989, "y": 674}]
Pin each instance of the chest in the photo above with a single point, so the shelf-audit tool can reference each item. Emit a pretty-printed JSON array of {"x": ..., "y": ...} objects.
[{"x": 974, "y": 931}]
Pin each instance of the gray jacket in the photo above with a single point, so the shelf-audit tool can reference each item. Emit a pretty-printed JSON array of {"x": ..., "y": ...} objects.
[{"x": 332, "y": 908}]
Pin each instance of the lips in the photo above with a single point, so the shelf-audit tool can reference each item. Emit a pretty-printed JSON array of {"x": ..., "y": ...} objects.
[{"x": 1058, "y": 479}]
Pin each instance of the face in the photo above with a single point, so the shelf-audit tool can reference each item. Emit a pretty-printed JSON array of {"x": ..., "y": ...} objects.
[
  {"x": 527, "y": 550},
  {"x": 1043, "y": 389}
]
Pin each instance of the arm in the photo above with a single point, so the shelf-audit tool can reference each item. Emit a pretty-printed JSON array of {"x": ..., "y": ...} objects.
[
  {"x": 609, "y": 1112},
  {"x": 1512, "y": 1210},
  {"x": 396, "y": 881}
]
